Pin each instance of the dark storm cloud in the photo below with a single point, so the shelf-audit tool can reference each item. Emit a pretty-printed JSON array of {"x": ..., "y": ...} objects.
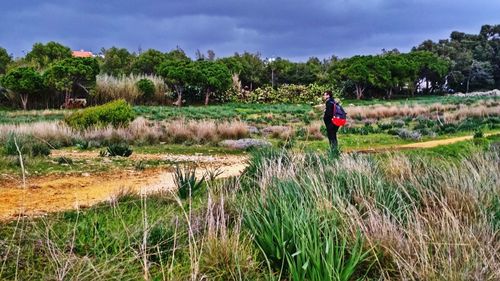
[{"x": 292, "y": 29}]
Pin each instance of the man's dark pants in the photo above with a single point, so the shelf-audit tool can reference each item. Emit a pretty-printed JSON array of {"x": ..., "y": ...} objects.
[{"x": 331, "y": 131}]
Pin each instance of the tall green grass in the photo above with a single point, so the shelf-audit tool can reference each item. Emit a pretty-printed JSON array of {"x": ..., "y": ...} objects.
[
  {"x": 395, "y": 217},
  {"x": 291, "y": 216}
]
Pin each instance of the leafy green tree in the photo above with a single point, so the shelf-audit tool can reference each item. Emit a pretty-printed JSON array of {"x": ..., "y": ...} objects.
[
  {"x": 42, "y": 55},
  {"x": 23, "y": 81},
  {"x": 5, "y": 60},
  {"x": 481, "y": 76},
  {"x": 147, "y": 62},
  {"x": 279, "y": 71},
  {"x": 177, "y": 54},
  {"x": 233, "y": 64},
  {"x": 252, "y": 72},
  {"x": 72, "y": 73},
  {"x": 214, "y": 78},
  {"x": 432, "y": 69},
  {"x": 355, "y": 70},
  {"x": 465, "y": 54},
  {"x": 178, "y": 74},
  {"x": 117, "y": 61}
]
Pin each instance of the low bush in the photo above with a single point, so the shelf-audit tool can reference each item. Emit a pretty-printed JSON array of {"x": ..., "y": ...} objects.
[
  {"x": 64, "y": 160},
  {"x": 27, "y": 145},
  {"x": 117, "y": 114},
  {"x": 119, "y": 149},
  {"x": 146, "y": 87},
  {"x": 478, "y": 134},
  {"x": 408, "y": 134},
  {"x": 187, "y": 182}
]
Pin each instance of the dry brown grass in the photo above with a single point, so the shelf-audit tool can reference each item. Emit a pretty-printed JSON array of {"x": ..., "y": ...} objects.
[
  {"x": 314, "y": 131},
  {"x": 477, "y": 111},
  {"x": 483, "y": 108},
  {"x": 140, "y": 131},
  {"x": 109, "y": 88},
  {"x": 279, "y": 132},
  {"x": 232, "y": 130}
]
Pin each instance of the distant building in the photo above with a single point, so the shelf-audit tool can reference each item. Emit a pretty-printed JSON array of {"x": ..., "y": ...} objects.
[{"x": 82, "y": 54}]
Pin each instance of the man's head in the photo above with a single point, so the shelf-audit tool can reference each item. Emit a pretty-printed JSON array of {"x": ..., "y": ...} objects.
[{"x": 327, "y": 95}]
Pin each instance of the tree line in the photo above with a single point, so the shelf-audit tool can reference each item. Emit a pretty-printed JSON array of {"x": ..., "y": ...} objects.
[{"x": 463, "y": 62}]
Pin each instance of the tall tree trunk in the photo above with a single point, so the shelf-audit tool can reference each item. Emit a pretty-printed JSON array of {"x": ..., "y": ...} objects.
[
  {"x": 207, "y": 97},
  {"x": 178, "y": 89},
  {"x": 389, "y": 93},
  {"x": 67, "y": 96},
  {"x": 24, "y": 101},
  {"x": 359, "y": 91}
]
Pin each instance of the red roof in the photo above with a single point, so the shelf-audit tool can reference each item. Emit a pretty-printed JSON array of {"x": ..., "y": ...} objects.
[{"x": 82, "y": 54}]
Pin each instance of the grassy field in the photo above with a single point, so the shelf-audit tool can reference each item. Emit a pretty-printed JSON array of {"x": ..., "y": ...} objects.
[
  {"x": 297, "y": 212},
  {"x": 290, "y": 216}
]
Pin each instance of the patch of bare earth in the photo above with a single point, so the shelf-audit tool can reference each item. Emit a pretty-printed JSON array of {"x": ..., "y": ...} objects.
[
  {"x": 415, "y": 145},
  {"x": 54, "y": 193}
]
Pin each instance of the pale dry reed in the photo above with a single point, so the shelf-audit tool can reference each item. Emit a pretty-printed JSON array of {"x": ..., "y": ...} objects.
[
  {"x": 455, "y": 112},
  {"x": 139, "y": 131},
  {"x": 109, "y": 88}
]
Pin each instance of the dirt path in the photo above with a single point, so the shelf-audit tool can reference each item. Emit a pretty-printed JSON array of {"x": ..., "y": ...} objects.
[
  {"x": 415, "y": 145},
  {"x": 58, "y": 192}
]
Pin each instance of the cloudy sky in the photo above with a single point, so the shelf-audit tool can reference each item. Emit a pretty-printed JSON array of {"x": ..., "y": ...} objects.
[{"x": 294, "y": 29}]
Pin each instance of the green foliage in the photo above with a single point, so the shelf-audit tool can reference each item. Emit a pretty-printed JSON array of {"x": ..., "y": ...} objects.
[
  {"x": 478, "y": 134},
  {"x": 117, "y": 113},
  {"x": 147, "y": 62},
  {"x": 295, "y": 235},
  {"x": 213, "y": 78},
  {"x": 28, "y": 146},
  {"x": 117, "y": 61},
  {"x": 187, "y": 183},
  {"x": 43, "y": 55},
  {"x": 178, "y": 74},
  {"x": 5, "y": 59},
  {"x": 146, "y": 87},
  {"x": 64, "y": 160},
  {"x": 24, "y": 82},
  {"x": 310, "y": 94},
  {"x": 119, "y": 149},
  {"x": 472, "y": 58},
  {"x": 391, "y": 72},
  {"x": 65, "y": 75}
]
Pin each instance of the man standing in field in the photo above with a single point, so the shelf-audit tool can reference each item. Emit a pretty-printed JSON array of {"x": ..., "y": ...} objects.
[{"x": 331, "y": 129}]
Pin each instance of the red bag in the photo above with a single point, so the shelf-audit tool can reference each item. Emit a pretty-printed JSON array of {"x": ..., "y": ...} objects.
[
  {"x": 338, "y": 117},
  {"x": 338, "y": 121}
]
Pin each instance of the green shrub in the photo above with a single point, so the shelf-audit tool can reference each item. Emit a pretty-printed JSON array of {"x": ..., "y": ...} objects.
[
  {"x": 117, "y": 113},
  {"x": 288, "y": 93},
  {"x": 146, "y": 87},
  {"x": 64, "y": 160},
  {"x": 187, "y": 183},
  {"x": 27, "y": 145},
  {"x": 119, "y": 149},
  {"x": 82, "y": 144},
  {"x": 478, "y": 134}
]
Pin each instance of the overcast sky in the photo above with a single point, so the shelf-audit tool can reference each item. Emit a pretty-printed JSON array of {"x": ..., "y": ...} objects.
[{"x": 294, "y": 29}]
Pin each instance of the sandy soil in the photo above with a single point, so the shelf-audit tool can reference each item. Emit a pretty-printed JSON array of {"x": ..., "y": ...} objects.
[{"x": 53, "y": 193}]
